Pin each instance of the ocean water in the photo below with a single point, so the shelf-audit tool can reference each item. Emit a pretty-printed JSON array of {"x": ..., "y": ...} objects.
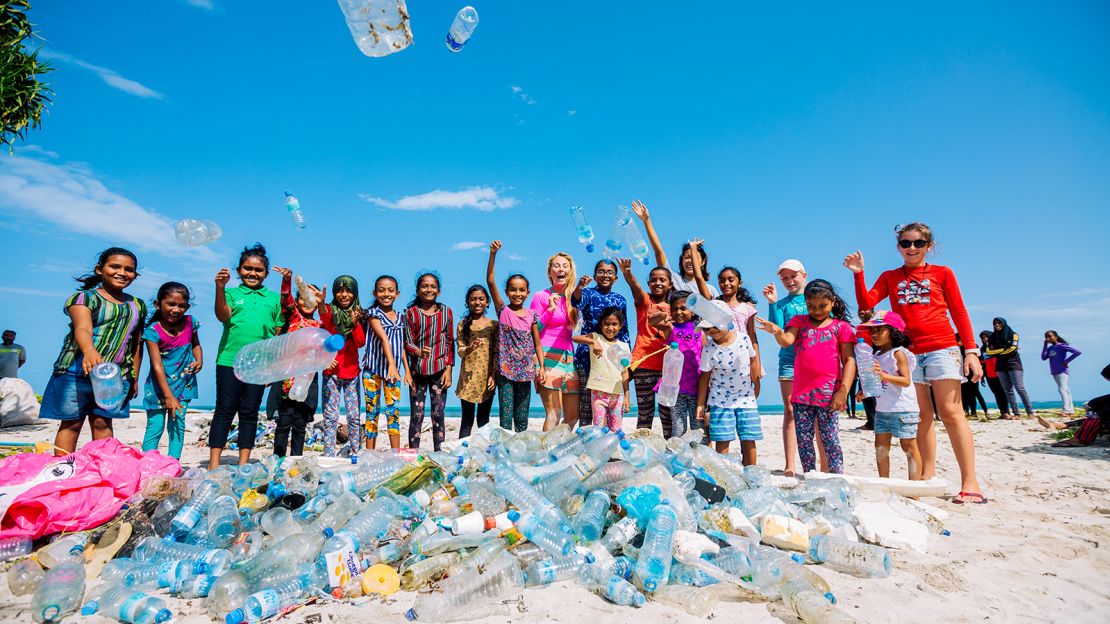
[{"x": 536, "y": 410}]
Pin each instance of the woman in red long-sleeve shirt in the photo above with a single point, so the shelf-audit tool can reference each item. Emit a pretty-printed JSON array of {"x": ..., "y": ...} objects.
[{"x": 925, "y": 295}]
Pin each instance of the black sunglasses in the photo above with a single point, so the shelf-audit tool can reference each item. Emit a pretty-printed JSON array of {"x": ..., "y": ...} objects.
[{"x": 919, "y": 243}]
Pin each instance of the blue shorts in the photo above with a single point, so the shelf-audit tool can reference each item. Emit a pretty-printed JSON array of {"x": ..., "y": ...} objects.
[
  {"x": 69, "y": 396},
  {"x": 939, "y": 364},
  {"x": 786, "y": 370},
  {"x": 730, "y": 423},
  {"x": 902, "y": 425}
]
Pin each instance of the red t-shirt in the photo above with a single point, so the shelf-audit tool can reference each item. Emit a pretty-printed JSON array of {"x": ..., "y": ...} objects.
[
  {"x": 346, "y": 361},
  {"x": 924, "y": 297},
  {"x": 649, "y": 339}
]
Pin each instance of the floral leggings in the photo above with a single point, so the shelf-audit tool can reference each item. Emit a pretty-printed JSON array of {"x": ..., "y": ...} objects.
[
  {"x": 422, "y": 386},
  {"x": 806, "y": 417},
  {"x": 335, "y": 391},
  {"x": 382, "y": 397},
  {"x": 607, "y": 410}
]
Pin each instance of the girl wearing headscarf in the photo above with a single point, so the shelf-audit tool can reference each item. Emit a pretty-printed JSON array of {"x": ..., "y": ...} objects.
[
  {"x": 1003, "y": 346},
  {"x": 341, "y": 380}
]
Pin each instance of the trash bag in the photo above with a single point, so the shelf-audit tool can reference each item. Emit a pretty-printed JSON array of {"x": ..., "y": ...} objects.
[{"x": 18, "y": 404}]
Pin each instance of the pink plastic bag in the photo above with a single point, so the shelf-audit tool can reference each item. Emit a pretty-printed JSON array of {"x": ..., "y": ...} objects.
[{"x": 41, "y": 494}]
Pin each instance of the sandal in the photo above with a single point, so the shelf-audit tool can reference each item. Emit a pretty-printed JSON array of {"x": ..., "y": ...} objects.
[{"x": 969, "y": 498}]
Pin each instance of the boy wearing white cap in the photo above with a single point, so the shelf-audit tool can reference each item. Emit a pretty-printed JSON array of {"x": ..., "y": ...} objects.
[
  {"x": 779, "y": 311},
  {"x": 726, "y": 393}
]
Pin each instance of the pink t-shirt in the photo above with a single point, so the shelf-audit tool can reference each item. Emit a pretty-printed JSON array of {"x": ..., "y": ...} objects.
[
  {"x": 555, "y": 327},
  {"x": 817, "y": 359}
]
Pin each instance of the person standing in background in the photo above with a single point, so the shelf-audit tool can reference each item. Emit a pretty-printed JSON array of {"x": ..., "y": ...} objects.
[
  {"x": 12, "y": 356},
  {"x": 1059, "y": 354},
  {"x": 1003, "y": 344},
  {"x": 990, "y": 377}
]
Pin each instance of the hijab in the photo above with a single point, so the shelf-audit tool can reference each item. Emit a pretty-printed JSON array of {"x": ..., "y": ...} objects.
[
  {"x": 343, "y": 322},
  {"x": 1001, "y": 338}
]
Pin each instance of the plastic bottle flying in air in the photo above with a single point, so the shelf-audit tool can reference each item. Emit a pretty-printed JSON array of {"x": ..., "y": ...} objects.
[
  {"x": 194, "y": 232},
  {"x": 379, "y": 27},
  {"x": 462, "y": 28},
  {"x": 293, "y": 205},
  {"x": 627, "y": 230},
  {"x": 706, "y": 309},
  {"x": 582, "y": 228},
  {"x": 869, "y": 380},
  {"x": 303, "y": 351},
  {"x": 672, "y": 374}
]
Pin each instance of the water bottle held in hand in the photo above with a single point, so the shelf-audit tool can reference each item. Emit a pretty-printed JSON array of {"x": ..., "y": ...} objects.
[
  {"x": 109, "y": 389},
  {"x": 710, "y": 311},
  {"x": 462, "y": 28},
  {"x": 582, "y": 228},
  {"x": 619, "y": 355},
  {"x": 673, "y": 359},
  {"x": 293, "y": 205},
  {"x": 289, "y": 355},
  {"x": 869, "y": 380}
]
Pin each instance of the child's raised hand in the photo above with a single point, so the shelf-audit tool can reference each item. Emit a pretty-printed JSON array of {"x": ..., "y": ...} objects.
[
  {"x": 283, "y": 272},
  {"x": 854, "y": 262},
  {"x": 495, "y": 247},
  {"x": 640, "y": 210},
  {"x": 356, "y": 315},
  {"x": 319, "y": 294},
  {"x": 770, "y": 293},
  {"x": 223, "y": 276},
  {"x": 768, "y": 326},
  {"x": 625, "y": 264},
  {"x": 584, "y": 281}
]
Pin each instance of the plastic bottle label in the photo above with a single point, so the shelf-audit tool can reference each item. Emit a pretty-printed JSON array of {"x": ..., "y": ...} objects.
[
  {"x": 343, "y": 565},
  {"x": 269, "y": 601},
  {"x": 584, "y": 467},
  {"x": 131, "y": 608}
]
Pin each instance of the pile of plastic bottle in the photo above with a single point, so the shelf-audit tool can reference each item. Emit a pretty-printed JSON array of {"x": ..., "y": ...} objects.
[{"x": 630, "y": 519}]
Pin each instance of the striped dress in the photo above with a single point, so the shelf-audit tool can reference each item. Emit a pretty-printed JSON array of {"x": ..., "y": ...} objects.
[
  {"x": 374, "y": 361},
  {"x": 116, "y": 330},
  {"x": 436, "y": 331}
]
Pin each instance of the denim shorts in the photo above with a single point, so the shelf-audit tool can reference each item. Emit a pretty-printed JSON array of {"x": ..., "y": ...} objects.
[
  {"x": 902, "y": 425},
  {"x": 69, "y": 396},
  {"x": 786, "y": 370},
  {"x": 939, "y": 364}
]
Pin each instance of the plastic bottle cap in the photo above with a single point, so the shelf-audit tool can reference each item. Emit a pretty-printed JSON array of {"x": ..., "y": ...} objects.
[
  {"x": 830, "y": 597},
  {"x": 798, "y": 557},
  {"x": 334, "y": 343},
  {"x": 589, "y": 247},
  {"x": 421, "y": 497},
  {"x": 235, "y": 617},
  {"x": 328, "y": 532},
  {"x": 468, "y": 524},
  {"x": 514, "y": 515},
  {"x": 90, "y": 608},
  {"x": 590, "y": 558},
  {"x": 164, "y": 615},
  {"x": 674, "y": 345},
  {"x": 410, "y": 615},
  {"x": 625, "y": 445}
]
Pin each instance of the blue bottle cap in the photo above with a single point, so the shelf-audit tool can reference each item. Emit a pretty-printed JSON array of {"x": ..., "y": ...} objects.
[
  {"x": 590, "y": 558},
  {"x": 163, "y": 616},
  {"x": 830, "y": 597},
  {"x": 625, "y": 445},
  {"x": 798, "y": 557},
  {"x": 410, "y": 615},
  {"x": 90, "y": 607},
  {"x": 235, "y": 617},
  {"x": 334, "y": 343},
  {"x": 674, "y": 345},
  {"x": 589, "y": 247},
  {"x": 514, "y": 515},
  {"x": 329, "y": 533}
]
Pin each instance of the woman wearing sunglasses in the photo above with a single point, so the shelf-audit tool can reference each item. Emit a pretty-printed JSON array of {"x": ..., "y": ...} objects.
[{"x": 925, "y": 295}]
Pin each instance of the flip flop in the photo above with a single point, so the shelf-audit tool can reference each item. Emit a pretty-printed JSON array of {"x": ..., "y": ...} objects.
[
  {"x": 969, "y": 498},
  {"x": 105, "y": 550}
]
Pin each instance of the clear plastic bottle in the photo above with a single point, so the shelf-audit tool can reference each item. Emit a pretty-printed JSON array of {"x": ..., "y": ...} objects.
[
  {"x": 152, "y": 549},
  {"x": 65, "y": 548},
  {"x": 109, "y": 388},
  {"x": 654, "y": 563},
  {"x": 637, "y": 453},
  {"x": 755, "y": 502},
  {"x": 194, "y": 232},
  {"x": 619, "y": 355},
  {"x": 855, "y": 558},
  {"x": 282, "y": 357},
  {"x": 124, "y": 604},
  {"x": 620, "y": 533},
  {"x": 293, "y": 205},
  {"x": 25, "y": 576},
  {"x": 361, "y": 480},
  {"x": 610, "y": 586},
  {"x": 722, "y": 472},
  {"x": 550, "y": 571},
  {"x": 626, "y": 229},
  {"x": 810, "y": 606},
  {"x": 223, "y": 519},
  {"x": 196, "y": 586},
  {"x": 708, "y": 311},
  {"x": 379, "y": 27},
  {"x": 164, "y": 574},
  {"x": 60, "y": 592},
  {"x": 699, "y": 602},
  {"x": 462, "y": 28},
  {"x": 278, "y": 523},
  {"x": 433, "y": 568},
  {"x": 591, "y": 518},
  {"x": 190, "y": 514},
  {"x": 869, "y": 381},
  {"x": 271, "y": 600},
  {"x": 582, "y": 228},
  {"x": 543, "y": 534},
  {"x": 667, "y": 395},
  {"x": 791, "y": 567},
  {"x": 498, "y": 578},
  {"x": 116, "y": 569},
  {"x": 610, "y": 473},
  {"x": 516, "y": 490},
  {"x": 14, "y": 548}
]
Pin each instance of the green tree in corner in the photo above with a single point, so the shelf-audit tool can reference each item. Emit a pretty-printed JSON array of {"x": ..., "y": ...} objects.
[{"x": 22, "y": 97}]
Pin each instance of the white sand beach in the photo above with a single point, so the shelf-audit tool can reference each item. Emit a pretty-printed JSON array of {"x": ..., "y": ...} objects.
[{"x": 1037, "y": 552}]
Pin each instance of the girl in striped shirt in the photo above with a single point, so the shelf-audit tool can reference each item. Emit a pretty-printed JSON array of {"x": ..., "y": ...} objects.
[
  {"x": 430, "y": 350},
  {"x": 381, "y": 374}
]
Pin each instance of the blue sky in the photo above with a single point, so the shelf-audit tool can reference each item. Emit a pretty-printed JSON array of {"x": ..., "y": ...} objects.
[{"x": 807, "y": 130}]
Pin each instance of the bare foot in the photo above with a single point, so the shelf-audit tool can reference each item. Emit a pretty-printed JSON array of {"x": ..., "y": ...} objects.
[
  {"x": 1048, "y": 424},
  {"x": 1070, "y": 442}
]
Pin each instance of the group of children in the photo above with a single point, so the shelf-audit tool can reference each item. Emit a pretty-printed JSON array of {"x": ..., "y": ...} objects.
[{"x": 527, "y": 344}]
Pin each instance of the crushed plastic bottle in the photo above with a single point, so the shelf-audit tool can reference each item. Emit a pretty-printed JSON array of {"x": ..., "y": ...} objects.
[
  {"x": 810, "y": 606},
  {"x": 195, "y": 232},
  {"x": 379, "y": 27},
  {"x": 14, "y": 548},
  {"x": 466, "y": 20},
  {"x": 483, "y": 585},
  {"x": 124, "y": 604},
  {"x": 282, "y": 357},
  {"x": 610, "y": 586},
  {"x": 25, "y": 576},
  {"x": 582, "y": 228},
  {"x": 60, "y": 592},
  {"x": 591, "y": 518}
]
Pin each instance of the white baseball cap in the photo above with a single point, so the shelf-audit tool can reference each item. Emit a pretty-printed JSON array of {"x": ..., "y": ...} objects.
[{"x": 793, "y": 265}]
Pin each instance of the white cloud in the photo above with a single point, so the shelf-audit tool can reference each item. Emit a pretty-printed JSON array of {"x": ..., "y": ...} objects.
[
  {"x": 38, "y": 151},
  {"x": 207, "y": 5},
  {"x": 524, "y": 97},
  {"x": 70, "y": 196},
  {"x": 34, "y": 292},
  {"x": 571, "y": 113},
  {"x": 484, "y": 198},
  {"x": 110, "y": 76},
  {"x": 467, "y": 245},
  {"x": 516, "y": 257}
]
